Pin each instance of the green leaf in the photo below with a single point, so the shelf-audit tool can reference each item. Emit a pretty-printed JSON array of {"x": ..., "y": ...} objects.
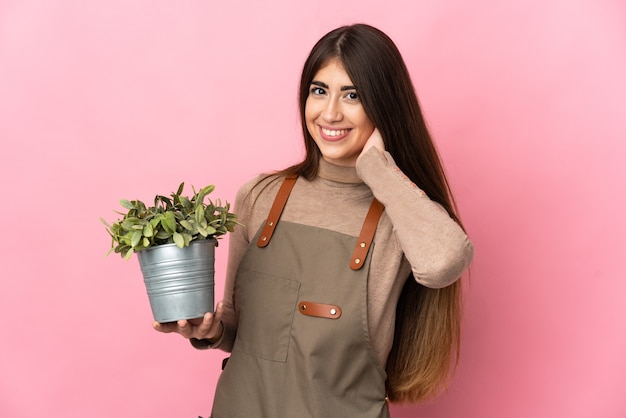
[
  {"x": 128, "y": 254},
  {"x": 187, "y": 239},
  {"x": 136, "y": 238},
  {"x": 202, "y": 194},
  {"x": 170, "y": 221},
  {"x": 200, "y": 215},
  {"x": 126, "y": 204},
  {"x": 163, "y": 202},
  {"x": 208, "y": 189},
  {"x": 148, "y": 230},
  {"x": 185, "y": 202},
  {"x": 128, "y": 224},
  {"x": 179, "y": 240},
  {"x": 187, "y": 225},
  {"x": 140, "y": 205}
]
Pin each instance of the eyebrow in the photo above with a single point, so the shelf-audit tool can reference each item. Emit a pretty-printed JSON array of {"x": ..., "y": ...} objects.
[{"x": 324, "y": 85}]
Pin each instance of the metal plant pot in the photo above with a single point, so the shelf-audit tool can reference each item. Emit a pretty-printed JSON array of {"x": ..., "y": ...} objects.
[{"x": 180, "y": 282}]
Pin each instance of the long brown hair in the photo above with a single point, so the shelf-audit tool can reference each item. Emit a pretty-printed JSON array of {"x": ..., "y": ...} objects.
[{"x": 427, "y": 334}]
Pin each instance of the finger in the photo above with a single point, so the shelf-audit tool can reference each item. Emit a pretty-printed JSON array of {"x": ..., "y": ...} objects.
[
  {"x": 184, "y": 328},
  {"x": 219, "y": 311},
  {"x": 211, "y": 326},
  {"x": 165, "y": 327},
  {"x": 217, "y": 328},
  {"x": 196, "y": 321},
  {"x": 204, "y": 328}
]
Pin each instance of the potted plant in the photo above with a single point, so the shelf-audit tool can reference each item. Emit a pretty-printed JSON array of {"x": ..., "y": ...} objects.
[{"x": 175, "y": 242}]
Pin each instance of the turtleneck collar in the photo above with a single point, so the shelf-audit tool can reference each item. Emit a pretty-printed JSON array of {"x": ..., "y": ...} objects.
[{"x": 338, "y": 173}]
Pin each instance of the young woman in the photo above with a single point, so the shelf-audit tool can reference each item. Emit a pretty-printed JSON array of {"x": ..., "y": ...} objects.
[{"x": 342, "y": 288}]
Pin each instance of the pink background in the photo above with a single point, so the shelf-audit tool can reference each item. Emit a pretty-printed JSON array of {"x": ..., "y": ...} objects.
[{"x": 125, "y": 99}]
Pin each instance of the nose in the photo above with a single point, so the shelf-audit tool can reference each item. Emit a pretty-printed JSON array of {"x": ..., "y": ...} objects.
[{"x": 332, "y": 111}]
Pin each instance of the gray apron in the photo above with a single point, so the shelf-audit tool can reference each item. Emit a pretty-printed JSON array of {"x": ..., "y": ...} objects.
[{"x": 302, "y": 347}]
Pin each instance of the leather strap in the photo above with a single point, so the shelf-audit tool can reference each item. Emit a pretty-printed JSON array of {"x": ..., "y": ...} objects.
[
  {"x": 363, "y": 243},
  {"x": 320, "y": 310},
  {"x": 367, "y": 235},
  {"x": 276, "y": 211}
]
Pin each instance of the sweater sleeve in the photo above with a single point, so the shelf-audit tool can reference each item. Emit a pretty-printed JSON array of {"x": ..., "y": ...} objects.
[{"x": 435, "y": 246}]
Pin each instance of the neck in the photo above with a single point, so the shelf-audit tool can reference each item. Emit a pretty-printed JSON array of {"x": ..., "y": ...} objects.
[{"x": 337, "y": 173}]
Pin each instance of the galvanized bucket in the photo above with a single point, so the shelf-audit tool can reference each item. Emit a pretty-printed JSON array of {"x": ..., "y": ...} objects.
[{"x": 180, "y": 282}]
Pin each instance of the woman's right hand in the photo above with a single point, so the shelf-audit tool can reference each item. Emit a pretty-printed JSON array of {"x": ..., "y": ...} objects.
[{"x": 209, "y": 327}]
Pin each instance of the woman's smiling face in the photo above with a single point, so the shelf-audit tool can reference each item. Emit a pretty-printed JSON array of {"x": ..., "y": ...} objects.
[{"x": 335, "y": 117}]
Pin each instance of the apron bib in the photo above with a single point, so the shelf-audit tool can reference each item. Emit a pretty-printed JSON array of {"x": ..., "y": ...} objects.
[{"x": 302, "y": 347}]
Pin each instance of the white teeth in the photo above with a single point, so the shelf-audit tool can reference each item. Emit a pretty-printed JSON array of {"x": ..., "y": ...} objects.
[{"x": 329, "y": 132}]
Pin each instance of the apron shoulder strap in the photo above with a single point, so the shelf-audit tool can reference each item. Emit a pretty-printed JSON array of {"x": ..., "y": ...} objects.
[
  {"x": 366, "y": 236},
  {"x": 363, "y": 243},
  {"x": 276, "y": 211}
]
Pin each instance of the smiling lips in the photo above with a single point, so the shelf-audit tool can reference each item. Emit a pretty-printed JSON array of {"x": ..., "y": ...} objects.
[{"x": 333, "y": 134}]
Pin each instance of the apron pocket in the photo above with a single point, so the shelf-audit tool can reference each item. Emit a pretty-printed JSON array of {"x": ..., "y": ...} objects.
[{"x": 266, "y": 306}]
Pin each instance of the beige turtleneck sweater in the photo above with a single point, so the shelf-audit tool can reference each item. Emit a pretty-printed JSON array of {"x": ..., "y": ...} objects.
[{"x": 414, "y": 233}]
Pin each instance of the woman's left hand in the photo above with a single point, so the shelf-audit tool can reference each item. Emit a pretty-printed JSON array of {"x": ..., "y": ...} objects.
[{"x": 375, "y": 140}]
